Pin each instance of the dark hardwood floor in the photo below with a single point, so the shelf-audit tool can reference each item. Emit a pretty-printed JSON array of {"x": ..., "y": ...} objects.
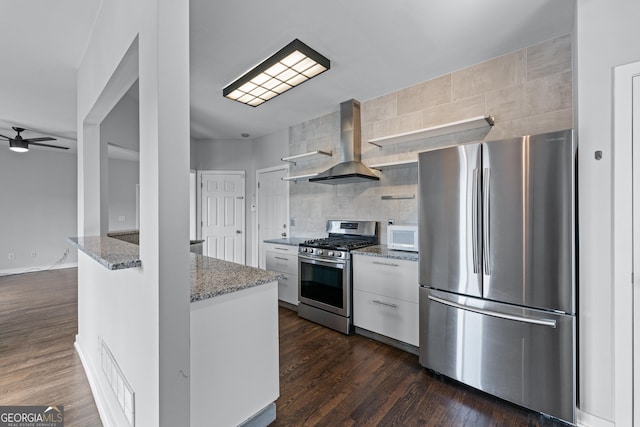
[
  {"x": 330, "y": 379},
  {"x": 38, "y": 362},
  {"x": 326, "y": 378}
]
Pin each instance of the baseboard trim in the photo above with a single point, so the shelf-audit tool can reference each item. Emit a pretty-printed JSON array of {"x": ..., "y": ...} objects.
[
  {"x": 96, "y": 390},
  {"x": 263, "y": 418},
  {"x": 389, "y": 341},
  {"x": 288, "y": 305},
  {"x": 22, "y": 270},
  {"x": 587, "y": 420}
]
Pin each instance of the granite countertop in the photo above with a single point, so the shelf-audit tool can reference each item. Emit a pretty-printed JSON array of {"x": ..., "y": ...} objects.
[
  {"x": 384, "y": 252},
  {"x": 129, "y": 236},
  {"x": 210, "y": 277},
  {"x": 133, "y": 236},
  {"x": 291, "y": 241},
  {"x": 114, "y": 254}
]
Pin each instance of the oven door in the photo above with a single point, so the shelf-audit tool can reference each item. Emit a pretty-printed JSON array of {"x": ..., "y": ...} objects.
[{"x": 325, "y": 284}]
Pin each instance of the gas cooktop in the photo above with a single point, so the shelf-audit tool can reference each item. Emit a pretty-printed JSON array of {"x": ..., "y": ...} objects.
[
  {"x": 338, "y": 243},
  {"x": 344, "y": 236}
]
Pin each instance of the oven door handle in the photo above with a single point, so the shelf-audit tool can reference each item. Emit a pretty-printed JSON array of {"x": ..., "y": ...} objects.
[{"x": 328, "y": 263}]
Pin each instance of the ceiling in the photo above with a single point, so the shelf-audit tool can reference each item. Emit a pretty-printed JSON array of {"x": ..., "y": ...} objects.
[{"x": 375, "y": 47}]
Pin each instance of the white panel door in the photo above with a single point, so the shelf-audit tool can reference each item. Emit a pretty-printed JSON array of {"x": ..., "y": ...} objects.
[
  {"x": 222, "y": 215},
  {"x": 272, "y": 206}
]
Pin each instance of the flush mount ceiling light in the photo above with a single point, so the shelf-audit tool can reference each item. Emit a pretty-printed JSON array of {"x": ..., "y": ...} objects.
[{"x": 293, "y": 64}]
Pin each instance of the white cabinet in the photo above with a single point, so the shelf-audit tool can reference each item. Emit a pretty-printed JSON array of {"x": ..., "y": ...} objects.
[
  {"x": 229, "y": 382},
  {"x": 385, "y": 297},
  {"x": 284, "y": 259}
]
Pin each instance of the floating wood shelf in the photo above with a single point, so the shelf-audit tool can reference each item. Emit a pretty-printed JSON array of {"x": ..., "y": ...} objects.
[
  {"x": 292, "y": 159},
  {"x": 447, "y": 128},
  {"x": 299, "y": 177},
  {"x": 393, "y": 165}
]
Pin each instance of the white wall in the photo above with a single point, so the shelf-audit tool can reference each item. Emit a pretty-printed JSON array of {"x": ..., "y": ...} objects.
[
  {"x": 219, "y": 154},
  {"x": 122, "y": 128},
  {"x": 123, "y": 177},
  {"x": 607, "y": 34},
  {"x": 269, "y": 149},
  {"x": 142, "y": 314},
  {"x": 122, "y": 124},
  {"x": 37, "y": 208}
]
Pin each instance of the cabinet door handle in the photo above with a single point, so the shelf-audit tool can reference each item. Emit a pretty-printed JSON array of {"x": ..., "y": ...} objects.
[
  {"x": 281, "y": 249},
  {"x": 388, "y": 304},
  {"x": 279, "y": 257},
  {"x": 389, "y": 264}
]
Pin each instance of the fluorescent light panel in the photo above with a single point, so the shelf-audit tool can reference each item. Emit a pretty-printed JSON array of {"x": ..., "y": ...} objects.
[{"x": 293, "y": 64}]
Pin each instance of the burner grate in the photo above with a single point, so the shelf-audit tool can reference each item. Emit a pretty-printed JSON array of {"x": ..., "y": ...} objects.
[{"x": 338, "y": 243}]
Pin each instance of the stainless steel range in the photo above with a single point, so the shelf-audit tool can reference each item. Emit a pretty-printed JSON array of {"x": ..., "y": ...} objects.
[{"x": 324, "y": 273}]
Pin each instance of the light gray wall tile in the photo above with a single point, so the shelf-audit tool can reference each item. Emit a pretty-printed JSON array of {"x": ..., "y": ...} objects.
[
  {"x": 428, "y": 94},
  {"x": 410, "y": 122},
  {"x": 548, "y": 94},
  {"x": 508, "y": 129},
  {"x": 384, "y": 107},
  {"x": 498, "y": 73},
  {"x": 386, "y": 127},
  {"x": 548, "y": 122},
  {"x": 454, "y": 111},
  {"x": 550, "y": 57},
  {"x": 506, "y": 104}
]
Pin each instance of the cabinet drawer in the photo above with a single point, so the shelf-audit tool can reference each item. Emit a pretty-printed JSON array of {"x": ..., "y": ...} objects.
[
  {"x": 282, "y": 263},
  {"x": 288, "y": 288},
  {"x": 394, "y": 278},
  {"x": 386, "y": 316},
  {"x": 282, "y": 249}
]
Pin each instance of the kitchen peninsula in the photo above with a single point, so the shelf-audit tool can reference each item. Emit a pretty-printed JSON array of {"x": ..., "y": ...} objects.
[{"x": 234, "y": 317}]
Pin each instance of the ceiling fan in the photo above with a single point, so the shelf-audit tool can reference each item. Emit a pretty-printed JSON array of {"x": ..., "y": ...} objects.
[{"x": 21, "y": 145}]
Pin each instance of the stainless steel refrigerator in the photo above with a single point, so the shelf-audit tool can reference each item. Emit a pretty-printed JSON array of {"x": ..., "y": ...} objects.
[{"x": 497, "y": 268}]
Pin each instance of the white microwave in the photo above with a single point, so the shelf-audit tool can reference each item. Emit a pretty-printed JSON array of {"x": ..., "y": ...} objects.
[{"x": 402, "y": 237}]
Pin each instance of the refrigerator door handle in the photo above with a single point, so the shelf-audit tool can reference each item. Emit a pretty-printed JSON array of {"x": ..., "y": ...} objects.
[
  {"x": 536, "y": 321},
  {"x": 485, "y": 221},
  {"x": 474, "y": 221}
]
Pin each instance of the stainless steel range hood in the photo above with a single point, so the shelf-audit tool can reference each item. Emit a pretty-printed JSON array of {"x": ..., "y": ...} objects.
[{"x": 350, "y": 169}]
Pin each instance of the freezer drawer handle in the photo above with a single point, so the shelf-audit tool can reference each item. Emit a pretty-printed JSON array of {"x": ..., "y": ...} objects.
[
  {"x": 388, "y": 264},
  {"x": 283, "y": 259},
  {"x": 543, "y": 322},
  {"x": 485, "y": 220},
  {"x": 474, "y": 221},
  {"x": 377, "y": 301}
]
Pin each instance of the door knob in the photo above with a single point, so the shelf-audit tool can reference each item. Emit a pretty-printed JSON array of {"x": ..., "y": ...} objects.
[{"x": 284, "y": 234}]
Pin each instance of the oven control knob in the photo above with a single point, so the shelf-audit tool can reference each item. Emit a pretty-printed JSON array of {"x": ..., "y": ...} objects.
[
  {"x": 339, "y": 254},
  {"x": 320, "y": 252},
  {"x": 330, "y": 253}
]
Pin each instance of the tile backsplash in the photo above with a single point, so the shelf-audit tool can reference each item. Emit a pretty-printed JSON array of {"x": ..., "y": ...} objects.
[{"x": 527, "y": 92}]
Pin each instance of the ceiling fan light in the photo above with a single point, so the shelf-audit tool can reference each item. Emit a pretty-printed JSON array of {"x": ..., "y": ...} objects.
[
  {"x": 18, "y": 146},
  {"x": 294, "y": 64}
]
